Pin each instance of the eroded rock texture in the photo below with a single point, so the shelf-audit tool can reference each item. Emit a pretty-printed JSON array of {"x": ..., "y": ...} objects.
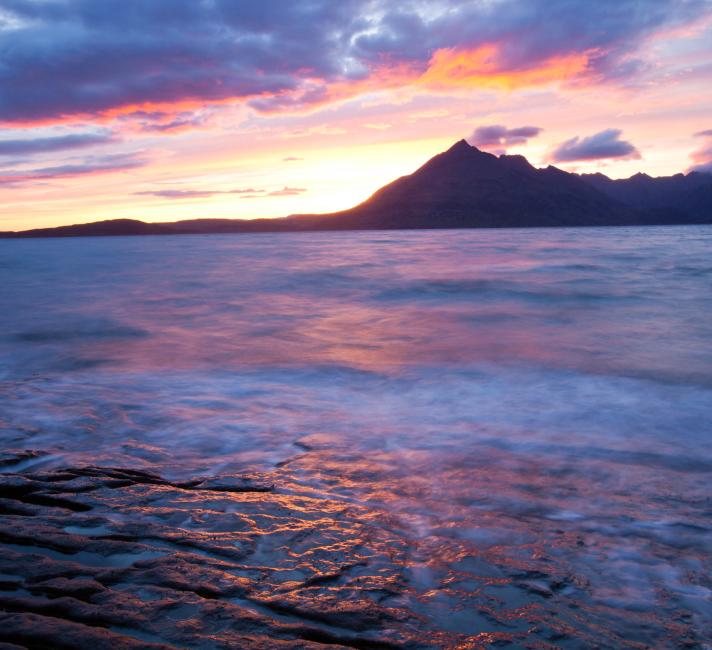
[
  {"x": 113, "y": 558},
  {"x": 110, "y": 558}
]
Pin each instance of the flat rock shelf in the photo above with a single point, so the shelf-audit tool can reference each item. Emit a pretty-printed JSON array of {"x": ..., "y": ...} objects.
[{"x": 104, "y": 557}]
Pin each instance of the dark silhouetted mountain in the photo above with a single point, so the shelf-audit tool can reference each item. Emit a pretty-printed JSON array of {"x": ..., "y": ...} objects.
[
  {"x": 111, "y": 227},
  {"x": 464, "y": 187},
  {"x": 688, "y": 196}
]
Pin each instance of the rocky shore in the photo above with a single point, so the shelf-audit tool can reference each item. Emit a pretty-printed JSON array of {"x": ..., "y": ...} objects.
[
  {"x": 114, "y": 558},
  {"x": 117, "y": 558}
]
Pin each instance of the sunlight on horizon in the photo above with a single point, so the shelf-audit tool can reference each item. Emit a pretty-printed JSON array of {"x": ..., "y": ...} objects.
[{"x": 326, "y": 140}]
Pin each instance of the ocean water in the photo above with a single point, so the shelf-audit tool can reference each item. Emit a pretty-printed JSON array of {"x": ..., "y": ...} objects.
[{"x": 501, "y": 397}]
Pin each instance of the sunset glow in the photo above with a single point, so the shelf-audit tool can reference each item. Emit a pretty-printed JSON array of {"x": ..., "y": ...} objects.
[
  {"x": 315, "y": 108},
  {"x": 478, "y": 69},
  {"x": 355, "y": 324}
]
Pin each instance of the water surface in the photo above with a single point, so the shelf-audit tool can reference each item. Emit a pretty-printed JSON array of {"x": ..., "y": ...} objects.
[{"x": 528, "y": 409}]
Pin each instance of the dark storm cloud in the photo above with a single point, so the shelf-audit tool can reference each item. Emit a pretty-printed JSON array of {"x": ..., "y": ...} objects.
[
  {"x": 64, "y": 58},
  {"x": 606, "y": 144},
  {"x": 92, "y": 165},
  {"x": 24, "y": 146},
  {"x": 70, "y": 57},
  {"x": 499, "y": 136}
]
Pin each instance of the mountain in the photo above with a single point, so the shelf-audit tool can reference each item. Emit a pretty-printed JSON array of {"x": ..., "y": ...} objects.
[
  {"x": 464, "y": 187},
  {"x": 689, "y": 196},
  {"x": 111, "y": 227}
]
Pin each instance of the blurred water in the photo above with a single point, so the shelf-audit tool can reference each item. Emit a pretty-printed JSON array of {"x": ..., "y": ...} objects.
[{"x": 488, "y": 386}]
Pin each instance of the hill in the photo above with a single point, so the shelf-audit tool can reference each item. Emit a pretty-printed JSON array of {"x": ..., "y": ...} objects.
[{"x": 464, "y": 187}]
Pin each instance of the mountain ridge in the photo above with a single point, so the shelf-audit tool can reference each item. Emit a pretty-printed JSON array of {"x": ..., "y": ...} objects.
[{"x": 464, "y": 187}]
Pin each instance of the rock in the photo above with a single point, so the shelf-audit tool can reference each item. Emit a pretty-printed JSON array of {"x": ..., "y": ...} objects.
[
  {"x": 536, "y": 587},
  {"x": 36, "y": 631},
  {"x": 80, "y": 588},
  {"x": 8, "y": 458},
  {"x": 236, "y": 483},
  {"x": 210, "y": 562}
]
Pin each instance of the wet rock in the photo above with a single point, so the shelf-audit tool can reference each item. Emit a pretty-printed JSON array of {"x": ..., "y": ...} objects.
[
  {"x": 357, "y": 613},
  {"x": 27, "y": 630},
  {"x": 205, "y": 577},
  {"x": 28, "y": 491},
  {"x": 536, "y": 587},
  {"x": 13, "y": 507},
  {"x": 8, "y": 458},
  {"x": 252, "y": 483},
  {"x": 142, "y": 562},
  {"x": 139, "y": 561},
  {"x": 130, "y": 476},
  {"x": 79, "y": 588},
  {"x": 11, "y": 646}
]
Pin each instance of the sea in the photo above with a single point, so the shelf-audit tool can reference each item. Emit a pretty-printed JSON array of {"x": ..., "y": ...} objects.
[{"x": 515, "y": 404}]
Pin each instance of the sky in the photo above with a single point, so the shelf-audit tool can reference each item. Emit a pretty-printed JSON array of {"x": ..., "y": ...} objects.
[{"x": 162, "y": 110}]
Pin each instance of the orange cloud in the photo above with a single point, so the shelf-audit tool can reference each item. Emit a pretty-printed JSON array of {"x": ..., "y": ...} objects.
[
  {"x": 316, "y": 93},
  {"x": 169, "y": 110},
  {"x": 479, "y": 67},
  {"x": 448, "y": 68}
]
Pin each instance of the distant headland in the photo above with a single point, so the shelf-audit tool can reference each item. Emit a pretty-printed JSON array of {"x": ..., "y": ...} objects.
[{"x": 464, "y": 187}]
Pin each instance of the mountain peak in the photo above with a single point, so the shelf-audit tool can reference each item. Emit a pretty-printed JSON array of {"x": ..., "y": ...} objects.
[
  {"x": 465, "y": 187},
  {"x": 463, "y": 150},
  {"x": 460, "y": 145}
]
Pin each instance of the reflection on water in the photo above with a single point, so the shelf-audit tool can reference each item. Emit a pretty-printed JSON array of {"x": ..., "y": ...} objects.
[{"x": 515, "y": 403}]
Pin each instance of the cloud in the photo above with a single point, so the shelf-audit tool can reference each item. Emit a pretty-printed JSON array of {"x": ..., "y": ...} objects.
[
  {"x": 288, "y": 191},
  {"x": 704, "y": 134},
  {"x": 291, "y": 159},
  {"x": 178, "y": 194},
  {"x": 247, "y": 193},
  {"x": 285, "y": 191},
  {"x": 69, "y": 59},
  {"x": 602, "y": 145},
  {"x": 705, "y": 168},
  {"x": 195, "y": 194},
  {"x": 24, "y": 146},
  {"x": 173, "y": 125},
  {"x": 92, "y": 165},
  {"x": 500, "y": 137},
  {"x": 702, "y": 158}
]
